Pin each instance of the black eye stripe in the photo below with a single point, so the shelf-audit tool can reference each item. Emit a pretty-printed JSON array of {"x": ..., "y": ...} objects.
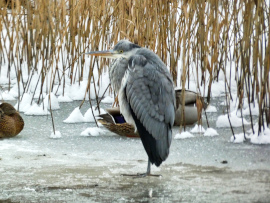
[
  {"x": 135, "y": 46},
  {"x": 121, "y": 47}
]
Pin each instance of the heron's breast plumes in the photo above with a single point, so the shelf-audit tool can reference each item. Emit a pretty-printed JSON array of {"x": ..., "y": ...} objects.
[
  {"x": 123, "y": 102},
  {"x": 116, "y": 72}
]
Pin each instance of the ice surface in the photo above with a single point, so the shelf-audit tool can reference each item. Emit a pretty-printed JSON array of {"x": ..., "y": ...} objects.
[{"x": 38, "y": 168}]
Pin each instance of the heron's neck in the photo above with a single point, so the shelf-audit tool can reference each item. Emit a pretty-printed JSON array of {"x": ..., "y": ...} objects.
[{"x": 117, "y": 71}]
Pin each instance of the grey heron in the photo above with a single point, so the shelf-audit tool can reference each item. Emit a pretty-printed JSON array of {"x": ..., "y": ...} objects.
[{"x": 146, "y": 96}]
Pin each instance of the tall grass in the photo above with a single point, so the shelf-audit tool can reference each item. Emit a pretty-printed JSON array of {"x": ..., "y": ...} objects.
[{"x": 214, "y": 37}]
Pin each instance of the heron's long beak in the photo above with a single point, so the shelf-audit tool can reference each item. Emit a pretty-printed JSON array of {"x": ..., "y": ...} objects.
[{"x": 106, "y": 53}]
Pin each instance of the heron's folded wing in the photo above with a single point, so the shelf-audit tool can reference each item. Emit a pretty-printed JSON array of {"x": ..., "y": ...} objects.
[{"x": 151, "y": 96}]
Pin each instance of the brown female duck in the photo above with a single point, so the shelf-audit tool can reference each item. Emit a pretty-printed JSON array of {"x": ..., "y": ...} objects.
[{"x": 11, "y": 123}]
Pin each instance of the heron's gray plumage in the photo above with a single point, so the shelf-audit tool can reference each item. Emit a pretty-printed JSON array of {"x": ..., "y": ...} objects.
[
  {"x": 146, "y": 96},
  {"x": 147, "y": 92},
  {"x": 117, "y": 70}
]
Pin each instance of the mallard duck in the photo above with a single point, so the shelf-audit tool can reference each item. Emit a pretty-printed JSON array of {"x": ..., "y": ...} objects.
[
  {"x": 193, "y": 107},
  {"x": 115, "y": 122},
  {"x": 11, "y": 123}
]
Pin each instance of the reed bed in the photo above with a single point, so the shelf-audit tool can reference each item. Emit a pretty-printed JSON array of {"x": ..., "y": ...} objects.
[{"x": 204, "y": 39}]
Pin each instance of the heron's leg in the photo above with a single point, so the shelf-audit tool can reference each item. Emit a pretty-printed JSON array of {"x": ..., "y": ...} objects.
[
  {"x": 141, "y": 175},
  {"x": 148, "y": 172}
]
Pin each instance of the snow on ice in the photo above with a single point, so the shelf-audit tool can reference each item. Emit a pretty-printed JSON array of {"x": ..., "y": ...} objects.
[
  {"x": 36, "y": 110},
  {"x": 6, "y": 96},
  {"x": 211, "y": 109},
  {"x": 223, "y": 121},
  {"x": 210, "y": 132},
  {"x": 64, "y": 98},
  {"x": 25, "y": 103},
  {"x": 198, "y": 129},
  {"x": 108, "y": 100},
  {"x": 183, "y": 135},
  {"x": 238, "y": 138},
  {"x": 75, "y": 117},
  {"x": 56, "y": 135},
  {"x": 88, "y": 116},
  {"x": 94, "y": 131},
  {"x": 51, "y": 102}
]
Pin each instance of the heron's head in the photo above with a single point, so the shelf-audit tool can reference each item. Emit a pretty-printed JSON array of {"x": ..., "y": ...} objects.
[{"x": 123, "y": 48}]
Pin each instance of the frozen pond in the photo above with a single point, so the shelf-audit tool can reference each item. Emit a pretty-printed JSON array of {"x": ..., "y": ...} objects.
[{"x": 74, "y": 168}]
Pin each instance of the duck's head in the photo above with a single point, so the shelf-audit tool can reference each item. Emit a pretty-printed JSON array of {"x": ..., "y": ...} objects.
[{"x": 7, "y": 108}]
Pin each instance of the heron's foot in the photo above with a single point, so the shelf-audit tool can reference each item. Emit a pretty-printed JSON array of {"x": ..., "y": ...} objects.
[{"x": 141, "y": 175}]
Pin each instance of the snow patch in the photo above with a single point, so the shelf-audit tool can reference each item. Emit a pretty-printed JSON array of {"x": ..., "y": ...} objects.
[
  {"x": 262, "y": 138},
  {"x": 211, "y": 109},
  {"x": 254, "y": 109},
  {"x": 223, "y": 121},
  {"x": 75, "y": 117},
  {"x": 94, "y": 131},
  {"x": 198, "y": 129},
  {"x": 36, "y": 110},
  {"x": 6, "y": 96},
  {"x": 25, "y": 103},
  {"x": 65, "y": 98},
  {"x": 57, "y": 135},
  {"x": 183, "y": 135},
  {"x": 53, "y": 102},
  {"x": 210, "y": 132},
  {"x": 108, "y": 100},
  {"x": 88, "y": 116},
  {"x": 239, "y": 138}
]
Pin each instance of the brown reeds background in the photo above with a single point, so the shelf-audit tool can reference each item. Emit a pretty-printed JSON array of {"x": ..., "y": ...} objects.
[{"x": 214, "y": 36}]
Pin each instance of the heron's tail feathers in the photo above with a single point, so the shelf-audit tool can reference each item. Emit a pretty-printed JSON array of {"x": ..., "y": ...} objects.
[{"x": 156, "y": 149}]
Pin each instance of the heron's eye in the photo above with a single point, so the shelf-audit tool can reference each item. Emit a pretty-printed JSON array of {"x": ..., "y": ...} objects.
[{"x": 121, "y": 51}]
